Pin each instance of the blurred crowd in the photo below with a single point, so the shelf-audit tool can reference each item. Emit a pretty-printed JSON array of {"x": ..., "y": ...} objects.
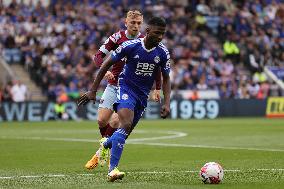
[
  {"x": 218, "y": 45},
  {"x": 14, "y": 91}
]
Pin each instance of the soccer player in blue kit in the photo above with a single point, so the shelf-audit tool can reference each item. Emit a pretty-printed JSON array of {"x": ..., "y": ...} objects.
[{"x": 144, "y": 57}]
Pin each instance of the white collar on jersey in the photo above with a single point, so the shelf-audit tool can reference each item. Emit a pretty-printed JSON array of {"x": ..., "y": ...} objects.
[
  {"x": 127, "y": 35},
  {"x": 143, "y": 45}
]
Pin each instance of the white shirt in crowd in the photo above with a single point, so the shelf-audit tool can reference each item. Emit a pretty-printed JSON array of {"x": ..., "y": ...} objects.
[{"x": 19, "y": 92}]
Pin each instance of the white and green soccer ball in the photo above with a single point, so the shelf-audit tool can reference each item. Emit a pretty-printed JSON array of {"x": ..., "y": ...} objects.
[{"x": 211, "y": 173}]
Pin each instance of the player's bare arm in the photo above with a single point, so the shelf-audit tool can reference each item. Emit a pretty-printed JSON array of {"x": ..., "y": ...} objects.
[
  {"x": 91, "y": 95},
  {"x": 165, "y": 109},
  {"x": 157, "y": 92},
  {"x": 156, "y": 95}
]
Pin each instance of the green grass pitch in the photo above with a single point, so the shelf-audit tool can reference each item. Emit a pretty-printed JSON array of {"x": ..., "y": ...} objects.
[{"x": 158, "y": 154}]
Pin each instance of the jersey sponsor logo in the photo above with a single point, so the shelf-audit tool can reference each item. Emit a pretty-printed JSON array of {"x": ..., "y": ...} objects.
[
  {"x": 144, "y": 69},
  {"x": 124, "y": 96},
  {"x": 157, "y": 59},
  {"x": 136, "y": 56}
]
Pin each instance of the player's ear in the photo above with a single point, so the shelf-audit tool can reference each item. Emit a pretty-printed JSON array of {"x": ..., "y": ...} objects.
[{"x": 125, "y": 22}]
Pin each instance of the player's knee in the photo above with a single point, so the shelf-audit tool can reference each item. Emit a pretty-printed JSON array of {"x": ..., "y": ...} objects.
[
  {"x": 126, "y": 125},
  {"x": 102, "y": 122},
  {"x": 114, "y": 122},
  {"x": 125, "y": 121}
]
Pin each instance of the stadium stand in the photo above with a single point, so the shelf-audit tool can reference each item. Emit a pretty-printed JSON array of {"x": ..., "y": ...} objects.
[{"x": 220, "y": 46}]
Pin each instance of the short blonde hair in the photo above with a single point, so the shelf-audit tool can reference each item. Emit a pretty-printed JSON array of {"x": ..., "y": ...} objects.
[{"x": 134, "y": 14}]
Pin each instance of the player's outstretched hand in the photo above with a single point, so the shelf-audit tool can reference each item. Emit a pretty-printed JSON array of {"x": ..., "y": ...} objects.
[
  {"x": 86, "y": 97},
  {"x": 165, "y": 111}
]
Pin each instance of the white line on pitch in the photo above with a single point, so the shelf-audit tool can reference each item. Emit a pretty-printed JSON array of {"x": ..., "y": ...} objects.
[
  {"x": 141, "y": 141},
  {"x": 171, "y": 135},
  {"x": 206, "y": 146},
  {"x": 130, "y": 172}
]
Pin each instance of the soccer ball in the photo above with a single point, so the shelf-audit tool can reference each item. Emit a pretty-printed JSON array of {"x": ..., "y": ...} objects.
[{"x": 211, "y": 173}]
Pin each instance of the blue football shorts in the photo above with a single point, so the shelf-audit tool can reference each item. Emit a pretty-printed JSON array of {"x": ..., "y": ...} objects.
[{"x": 126, "y": 99}]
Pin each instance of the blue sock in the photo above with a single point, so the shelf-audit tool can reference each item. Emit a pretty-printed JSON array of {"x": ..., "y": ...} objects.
[{"x": 118, "y": 141}]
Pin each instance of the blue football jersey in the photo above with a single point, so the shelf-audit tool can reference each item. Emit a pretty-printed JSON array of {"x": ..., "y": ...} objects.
[{"x": 141, "y": 65}]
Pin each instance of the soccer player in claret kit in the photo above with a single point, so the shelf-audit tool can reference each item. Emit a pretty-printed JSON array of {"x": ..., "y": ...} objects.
[
  {"x": 107, "y": 119},
  {"x": 144, "y": 58}
]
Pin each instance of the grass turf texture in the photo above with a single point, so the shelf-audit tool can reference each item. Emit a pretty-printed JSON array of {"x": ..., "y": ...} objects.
[{"x": 55, "y": 154}]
